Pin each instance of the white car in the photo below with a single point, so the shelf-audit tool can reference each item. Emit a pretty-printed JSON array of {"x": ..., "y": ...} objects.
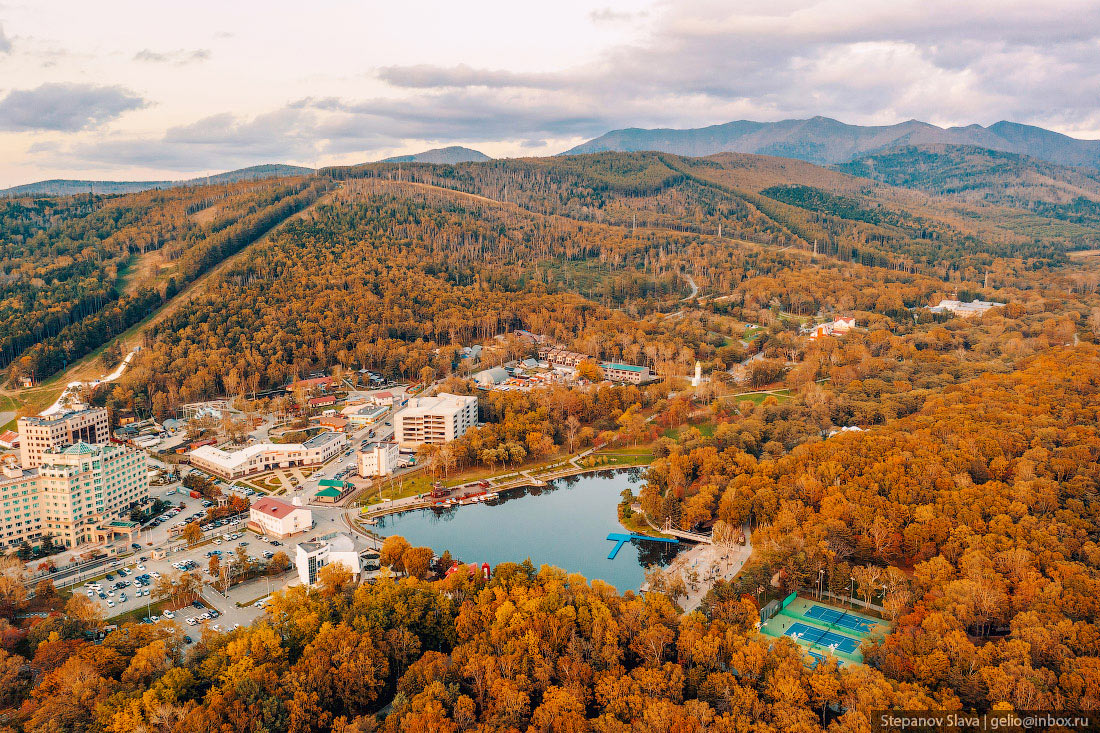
[
  {"x": 110, "y": 604},
  {"x": 155, "y": 574},
  {"x": 141, "y": 568},
  {"x": 169, "y": 614},
  {"x": 154, "y": 619}
]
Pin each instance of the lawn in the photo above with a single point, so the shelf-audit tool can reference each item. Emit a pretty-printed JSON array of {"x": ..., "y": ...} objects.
[
  {"x": 781, "y": 395},
  {"x": 139, "y": 613}
]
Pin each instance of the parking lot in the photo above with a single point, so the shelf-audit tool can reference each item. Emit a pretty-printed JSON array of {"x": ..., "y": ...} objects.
[{"x": 128, "y": 588}]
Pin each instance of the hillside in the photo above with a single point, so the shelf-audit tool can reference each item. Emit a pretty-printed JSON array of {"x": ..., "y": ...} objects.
[
  {"x": 61, "y": 187},
  {"x": 448, "y": 156},
  {"x": 747, "y": 197},
  {"x": 969, "y": 173},
  {"x": 827, "y": 141}
]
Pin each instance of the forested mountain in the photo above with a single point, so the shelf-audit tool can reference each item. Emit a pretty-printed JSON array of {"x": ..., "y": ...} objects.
[
  {"x": 58, "y": 187},
  {"x": 823, "y": 140},
  {"x": 80, "y": 270},
  {"x": 450, "y": 155},
  {"x": 973, "y": 174},
  {"x": 966, "y": 504}
]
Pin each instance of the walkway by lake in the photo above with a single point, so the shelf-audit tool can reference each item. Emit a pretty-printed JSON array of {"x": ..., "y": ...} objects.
[{"x": 564, "y": 524}]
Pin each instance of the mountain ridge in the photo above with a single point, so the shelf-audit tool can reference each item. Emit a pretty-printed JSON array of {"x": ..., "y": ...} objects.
[
  {"x": 826, "y": 141},
  {"x": 442, "y": 156},
  {"x": 68, "y": 187}
]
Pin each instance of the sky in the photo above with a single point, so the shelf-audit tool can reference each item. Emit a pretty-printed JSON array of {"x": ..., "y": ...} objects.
[{"x": 155, "y": 90}]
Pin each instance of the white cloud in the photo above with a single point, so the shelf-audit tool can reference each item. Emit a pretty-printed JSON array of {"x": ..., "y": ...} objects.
[{"x": 65, "y": 107}]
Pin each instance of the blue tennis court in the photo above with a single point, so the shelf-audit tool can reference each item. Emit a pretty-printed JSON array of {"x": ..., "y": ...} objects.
[
  {"x": 840, "y": 618},
  {"x": 821, "y": 637}
]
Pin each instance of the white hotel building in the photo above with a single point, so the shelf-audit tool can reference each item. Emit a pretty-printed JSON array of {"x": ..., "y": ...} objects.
[
  {"x": 261, "y": 457},
  {"x": 434, "y": 420},
  {"x": 378, "y": 459}
]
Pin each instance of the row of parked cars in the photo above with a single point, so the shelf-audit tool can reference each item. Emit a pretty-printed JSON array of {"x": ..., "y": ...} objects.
[{"x": 185, "y": 565}]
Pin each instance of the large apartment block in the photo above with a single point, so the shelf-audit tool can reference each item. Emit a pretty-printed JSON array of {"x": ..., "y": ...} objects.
[
  {"x": 80, "y": 493},
  {"x": 87, "y": 491},
  {"x": 20, "y": 507},
  {"x": 43, "y": 433},
  {"x": 435, "y": 420}
]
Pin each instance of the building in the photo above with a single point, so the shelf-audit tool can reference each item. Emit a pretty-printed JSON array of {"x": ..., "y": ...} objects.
[
  {"x": 86, "y": 492},
  {"x": 338, "y": 549},
  {"x": 839, "y": 327},
  {"x": 44, "y": 433},
  {"x": 366, "y": 414},
  {"x": 267, "y": 456},
  {"x": 276, "y": 518},
  {"x": 333, "y": 422},
  {"x": 628, "y": 373},
  {"x": 964, "y": 310},
  {"x": 20, "y": 507},
  {"x": 561, "y": 357},
  {"x": 9, "y": 439},
  {"x": 435, "y": 420},
  {"x": 322, "y": 401},
  {"x": 378, "y": 459},
  {"x": 491, "y": 377},
  {"x": 324, "y": 384}
]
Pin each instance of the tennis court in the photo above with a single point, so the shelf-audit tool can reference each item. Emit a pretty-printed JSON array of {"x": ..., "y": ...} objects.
[
  {"x": 822, "y": 637},
  {"x": 823, "y": 630},
  {"x": 840, "y": 619}
]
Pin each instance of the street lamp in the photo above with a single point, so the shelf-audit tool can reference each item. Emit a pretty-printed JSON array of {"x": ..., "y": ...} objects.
[{"x": 821, "y": 584}]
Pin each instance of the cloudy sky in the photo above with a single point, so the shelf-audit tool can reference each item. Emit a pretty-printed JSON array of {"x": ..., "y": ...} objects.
[{"x": 139, "y": 90}]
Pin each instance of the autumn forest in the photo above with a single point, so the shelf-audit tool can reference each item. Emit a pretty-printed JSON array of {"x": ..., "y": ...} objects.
[{"x": 965, "y": 508}]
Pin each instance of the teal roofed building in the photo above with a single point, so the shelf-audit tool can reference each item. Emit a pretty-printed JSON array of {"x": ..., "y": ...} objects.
[{"x": 629, "y": 373}]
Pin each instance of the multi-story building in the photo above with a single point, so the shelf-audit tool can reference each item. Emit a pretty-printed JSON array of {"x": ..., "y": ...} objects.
[
  {"x": 628, "y": 373},
  {"x": 261, "y": 457},
  {"x": 279, "y": 519},
  {"x": 20, "y": 513},
  {"x": 86, "y": 492},
  {"x": 378, "y": 459},
  {"x": 310, "y": 557},
  {"x": 435, "y": 420},
  {"x": 43, "y": 433}
]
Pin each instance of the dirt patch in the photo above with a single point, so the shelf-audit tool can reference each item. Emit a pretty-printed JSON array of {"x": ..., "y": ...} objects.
[{"x": 205, "y": 216}]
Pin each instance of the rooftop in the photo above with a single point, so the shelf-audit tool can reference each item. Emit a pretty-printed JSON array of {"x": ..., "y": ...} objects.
[
  {"x": 624, "y": 367},
  {"x": 273, "y": 507}
]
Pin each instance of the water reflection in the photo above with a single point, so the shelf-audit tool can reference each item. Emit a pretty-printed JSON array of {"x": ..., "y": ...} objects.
[{"x": 565, "y": 524}]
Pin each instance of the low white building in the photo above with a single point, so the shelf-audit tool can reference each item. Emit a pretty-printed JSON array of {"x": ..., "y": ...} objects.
[
  {"x": 277, "y": 518},
  {"x": 435, "y": 420},
  {"x": 263, "y": 457},
  {"x": 839, "y": 327},
  {"x": 364, "y": 413},
  {"x": 310, "y": 557},
  {"x": 378, "y": 459},
  {"x": 964, "y": 310}
]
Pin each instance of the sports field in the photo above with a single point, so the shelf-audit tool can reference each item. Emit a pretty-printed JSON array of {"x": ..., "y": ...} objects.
[{"x": 822, "y": 629}]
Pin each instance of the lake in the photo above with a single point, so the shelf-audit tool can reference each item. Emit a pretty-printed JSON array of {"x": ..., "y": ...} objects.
[{"x": 564, "y": 524}]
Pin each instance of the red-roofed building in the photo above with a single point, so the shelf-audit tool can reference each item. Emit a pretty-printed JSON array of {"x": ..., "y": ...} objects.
[
  {"x": 277, "y": 518},
  {"x": 325, "y": 401},
  {"x": 9, "y": 439}
]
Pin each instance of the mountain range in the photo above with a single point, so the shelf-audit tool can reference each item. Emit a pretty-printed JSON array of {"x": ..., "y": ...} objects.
[
  {"x": 64, "y": 187},
  {"x": 826, "y": 141}
]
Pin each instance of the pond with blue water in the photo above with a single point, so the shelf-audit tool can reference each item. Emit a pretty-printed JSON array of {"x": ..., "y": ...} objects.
[{"x": 564, "y": 524}]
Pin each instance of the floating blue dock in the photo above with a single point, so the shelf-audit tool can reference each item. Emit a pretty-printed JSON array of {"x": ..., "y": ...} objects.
[{"x": 621, "y": 539}]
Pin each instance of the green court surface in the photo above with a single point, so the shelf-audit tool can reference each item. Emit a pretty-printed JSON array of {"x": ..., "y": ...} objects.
[{"x": 822, "y": 629}]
